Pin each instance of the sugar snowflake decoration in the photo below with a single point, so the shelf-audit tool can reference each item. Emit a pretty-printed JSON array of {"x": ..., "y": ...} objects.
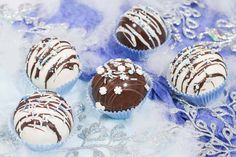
[
  {"x": 100, "y": 70},
  {"x": 121, "y": 68},
  {"x": 103, "y": 90},
  {"x": 99, "y": 106},
  {"x": 124, "y": 77},
  {"x": 131, "y": 72},
  {"x": 139, "y": 71},
  {"x": 118, "y": 90},
  {"x": 147, "y": 87}
]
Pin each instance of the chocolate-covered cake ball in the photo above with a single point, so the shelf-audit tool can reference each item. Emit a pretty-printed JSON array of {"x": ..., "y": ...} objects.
[
  {"x": 52, "y": 63},
  {"x": 119, "y": 85},
  {"x": 44, "y": 118},
  {"x": 197, "y": 70},
  {"x": 141, "y": 28}
]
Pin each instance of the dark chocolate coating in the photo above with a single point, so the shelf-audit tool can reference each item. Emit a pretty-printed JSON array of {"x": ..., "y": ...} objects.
[
  {"x": 144, "y": 25},
  {"x": 131, "y": 95}
]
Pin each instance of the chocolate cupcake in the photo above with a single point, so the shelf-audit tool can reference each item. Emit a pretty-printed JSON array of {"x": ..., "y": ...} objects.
[
  {"x": 198, "y": 74},
  {"x": 43, "y": 120},
  {"x": 119, "y": 86},
  {"x": 140, "y": 31},
  {"x": 53, "y": 64}
]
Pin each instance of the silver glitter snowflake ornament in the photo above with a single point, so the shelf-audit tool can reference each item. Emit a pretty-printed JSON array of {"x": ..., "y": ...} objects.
[
  {"x": 184, "y": 17},
  {"x": 222, "y": 36},
  {"x": 218, "y": 130}
]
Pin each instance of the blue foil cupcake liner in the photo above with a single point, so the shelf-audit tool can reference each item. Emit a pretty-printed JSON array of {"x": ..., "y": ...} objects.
[
  {"x": 38, "y": 147},
  {"x": 120, "y": 50},
  {"x": 68, "y": 86},
  {"x": 120, "y": 114},
  {"x": 63, "y": 89},
  {"x": 41, "y": 148},
  {"x": 201, "y": 99}
]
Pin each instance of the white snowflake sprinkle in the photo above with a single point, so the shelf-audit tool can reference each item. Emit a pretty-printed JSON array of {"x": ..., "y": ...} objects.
[
  {"x": 54, "y": 52},
  {"x": 147, "y": 87},
  {"x": 121, "y": 68},
  {"x": 131, "y": 72},
  {"x": 139, "y": 71},
  {"x": 118, "y": 90},
  {"x": 99, "y": 106},
  {"x": 100, "y": 70},
  {"x": 124, "y": 77},
  {"x": 125, "y": 85},
  {"x": 103, "y": 90}
]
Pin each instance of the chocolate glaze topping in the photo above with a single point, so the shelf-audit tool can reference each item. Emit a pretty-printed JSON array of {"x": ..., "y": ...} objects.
[
  {"x": 119, "y": 85},
  {"x": 141, "y": 28}
]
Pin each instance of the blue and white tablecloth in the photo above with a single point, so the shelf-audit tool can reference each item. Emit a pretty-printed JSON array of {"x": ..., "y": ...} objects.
[{"x": 165, "y": 126}]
